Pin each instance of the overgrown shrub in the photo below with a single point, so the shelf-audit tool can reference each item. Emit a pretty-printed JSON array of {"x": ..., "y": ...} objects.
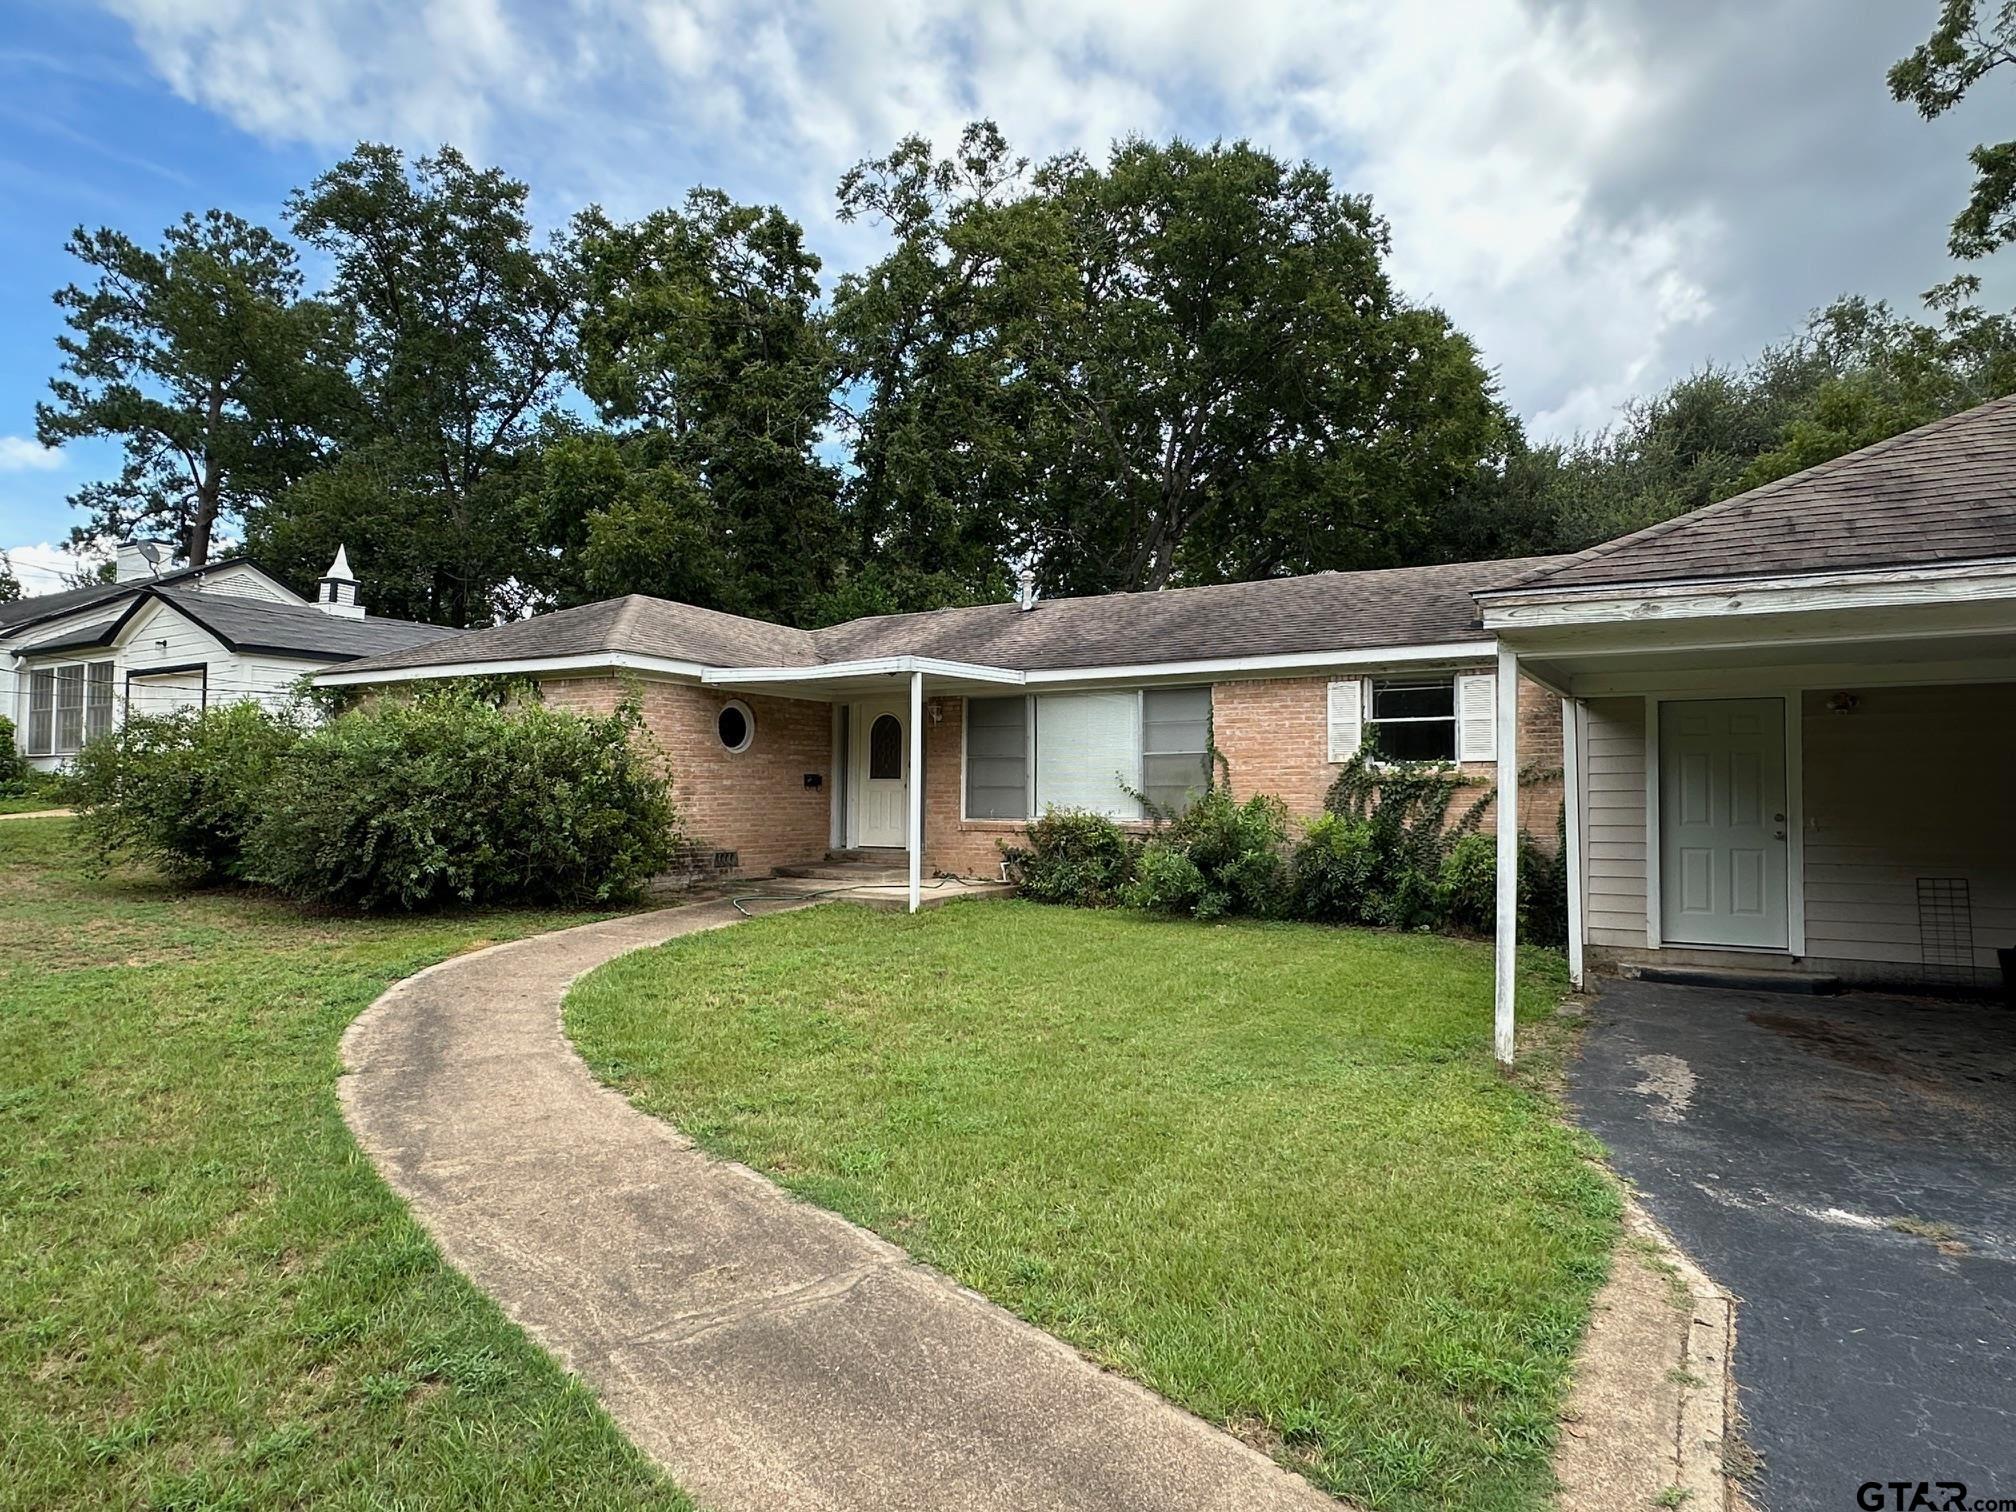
[
  {"x": 1083, "y": 860},
  {"x": 15, "y": 773},
  {"x": 1220, "y": 857},
  {"x": 1333, "y": 869},
  {"x": 1470, "y": 889},
  {"x": 1470, "y": 883},
  {"x": 447, "y": 798},
  {"x": 180, "y": 790}
]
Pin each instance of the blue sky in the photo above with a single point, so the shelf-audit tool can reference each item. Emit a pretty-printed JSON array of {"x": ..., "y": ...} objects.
[{"x": 1605, "y": 193}]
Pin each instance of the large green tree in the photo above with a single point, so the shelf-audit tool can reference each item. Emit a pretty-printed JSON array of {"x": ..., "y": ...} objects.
[
  {"x": 701, "y": 339},
  {"x": 1187, "y": 364},
  {"x": 464, "y": 336},
  {"x": 201, "y": 358},
  {"x": 1859, "y": 374},
  {"x": 1970, "y": 40}
]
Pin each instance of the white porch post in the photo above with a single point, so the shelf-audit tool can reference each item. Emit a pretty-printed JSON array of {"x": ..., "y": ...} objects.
[
  {"x": 1506, "y": 974},
  {"x": 1571, "y": 841},
  {"x": 915, "y": 826}
]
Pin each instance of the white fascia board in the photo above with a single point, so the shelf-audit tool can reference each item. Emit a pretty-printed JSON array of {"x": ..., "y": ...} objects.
[
  {"x": 1368, "y": 659},
  {"x": 881, "y": 666},
  {"x": 588, "y": 662},
  {"x": 1902, "y": 587}
]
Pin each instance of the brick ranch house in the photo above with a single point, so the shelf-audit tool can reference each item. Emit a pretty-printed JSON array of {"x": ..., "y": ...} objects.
[
  {"x": 786, "y": 744},
  {"x": 1788, "y": 716}
]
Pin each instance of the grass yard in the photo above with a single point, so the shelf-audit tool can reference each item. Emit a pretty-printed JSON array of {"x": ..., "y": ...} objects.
[
  {"x": 1269, "y": 1170},
  {"x": 207, "y": 1298}
]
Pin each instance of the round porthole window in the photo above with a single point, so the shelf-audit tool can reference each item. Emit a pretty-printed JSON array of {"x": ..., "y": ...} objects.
[{"x": 735, "y": 725}]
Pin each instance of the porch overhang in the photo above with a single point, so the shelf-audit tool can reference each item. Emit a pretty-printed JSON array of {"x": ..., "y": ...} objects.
[
  {"x": 834, "y": 681},
  {"x": 1947, "y": 623}
]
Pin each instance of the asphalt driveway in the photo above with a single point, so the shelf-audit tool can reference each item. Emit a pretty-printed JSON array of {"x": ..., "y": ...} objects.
[{"x": 1846, "y": 1166}]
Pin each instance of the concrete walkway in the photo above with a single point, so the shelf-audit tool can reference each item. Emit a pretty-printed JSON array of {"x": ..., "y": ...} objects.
[
  {"x": 769, "y": 1355},
  {"x": 58, "y": 813}
]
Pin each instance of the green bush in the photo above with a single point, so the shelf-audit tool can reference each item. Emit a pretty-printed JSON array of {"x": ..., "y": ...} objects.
[
  {"x": 447, "y": 798},
  {"x": 1221, "y": 857},
  {"x": 179, "y": 790},
  {"x": 1470, "y": 883},
  {"x": 1333, "y": 870},
  {"x": 1083, "y": 860},
  {"x": 16, "y": 776},
  {"x": 1470, "y": 889}
]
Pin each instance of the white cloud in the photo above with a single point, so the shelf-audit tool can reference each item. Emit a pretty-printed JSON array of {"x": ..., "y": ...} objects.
[
  {"x": 19, "y": 454},
  {"x": 43, "y": 568},
  {"x": 1531, "y": 154}
]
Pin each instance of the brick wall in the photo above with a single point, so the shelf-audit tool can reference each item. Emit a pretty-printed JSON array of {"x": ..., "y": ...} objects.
[
  {"x": 1274, "y": 734},
  {"x": 753, "y": 802},
  {"x": 969, "y": 847}
]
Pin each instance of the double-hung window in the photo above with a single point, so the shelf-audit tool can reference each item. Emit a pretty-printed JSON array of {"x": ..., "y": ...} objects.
[
  {"x": 68, "y": 705},
  {"x": 1100, "y": 752},
  {"x": 1413, "y": 719}
]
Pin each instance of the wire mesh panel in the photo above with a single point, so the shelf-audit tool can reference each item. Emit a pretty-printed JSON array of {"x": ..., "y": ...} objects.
[{"x": 1946, "y": 929}]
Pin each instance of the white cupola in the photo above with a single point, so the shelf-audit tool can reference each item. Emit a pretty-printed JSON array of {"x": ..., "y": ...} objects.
[{"x": 336, "y": 592}]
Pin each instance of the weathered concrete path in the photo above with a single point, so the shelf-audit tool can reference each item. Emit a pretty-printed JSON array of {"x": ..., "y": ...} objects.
[{"x": 770, "y": 1355}]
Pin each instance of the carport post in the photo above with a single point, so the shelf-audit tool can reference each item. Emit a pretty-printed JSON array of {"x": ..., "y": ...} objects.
[
  {"x": 1506, "y": 972},
  {"x": 1571, "y": 837},
  {"x": 915, "y": 826}
]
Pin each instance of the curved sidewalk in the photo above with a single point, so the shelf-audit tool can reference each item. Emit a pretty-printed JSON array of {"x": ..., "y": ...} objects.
[{"x": 768, "y": 1354}]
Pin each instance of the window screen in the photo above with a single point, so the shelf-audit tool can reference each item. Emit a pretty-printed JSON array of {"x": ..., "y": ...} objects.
[
  {"x": 97, "y": 699},
  {"x": 997, "y": 758},
  {"x": 42, "y": 711},
  {"x": 1088, "y": 752},
  {"x": 1175, "y": 741},
  {"x": 69, "y": 707},
  {"x": 1413, "y": 719}
]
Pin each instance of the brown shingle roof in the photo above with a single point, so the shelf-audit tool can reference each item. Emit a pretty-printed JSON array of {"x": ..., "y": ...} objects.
[
  {"x": 1942, "y": 493},
  {"x": 634, "y": 624},
  {"x": 1326, "y": 611}
]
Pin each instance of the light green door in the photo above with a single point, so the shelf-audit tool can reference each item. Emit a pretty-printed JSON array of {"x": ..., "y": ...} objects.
[{"x": 1722, "y": 822}]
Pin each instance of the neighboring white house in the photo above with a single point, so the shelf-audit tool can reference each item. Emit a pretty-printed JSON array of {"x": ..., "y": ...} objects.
[{"x": 152, "y": 642}]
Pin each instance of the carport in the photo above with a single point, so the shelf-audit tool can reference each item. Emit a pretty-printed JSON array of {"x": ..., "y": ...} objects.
[{"x": 1788, "y": 722}]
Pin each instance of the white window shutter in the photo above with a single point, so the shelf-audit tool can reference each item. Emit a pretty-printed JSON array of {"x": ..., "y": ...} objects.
[
  {"x": 1347, "y": 718},
  {"x": 1477, "y": 717}
]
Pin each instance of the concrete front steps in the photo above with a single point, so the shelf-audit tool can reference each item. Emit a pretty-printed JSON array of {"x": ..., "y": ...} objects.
[{"x": 871, "y": 879}]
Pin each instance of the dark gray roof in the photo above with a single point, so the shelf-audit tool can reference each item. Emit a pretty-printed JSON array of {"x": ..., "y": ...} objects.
[
  {"x": 259, "y": 625},
  {"x": 1945, "y": 492},
  {"x": 42, "y": 606},
  {"x": 1326, "y": 611}
]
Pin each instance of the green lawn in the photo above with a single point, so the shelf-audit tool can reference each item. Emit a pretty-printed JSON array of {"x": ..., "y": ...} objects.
[
  {"x": 207, "y": 1298},
  {"x": 1270, "y": 1171}
]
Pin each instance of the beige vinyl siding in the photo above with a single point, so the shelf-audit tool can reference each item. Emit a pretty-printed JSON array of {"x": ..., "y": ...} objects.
[
  {"x": 1613, "y": 785},
  {"x": 1904, "y": 786}
]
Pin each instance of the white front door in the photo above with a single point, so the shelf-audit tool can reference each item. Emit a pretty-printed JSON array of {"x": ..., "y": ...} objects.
[
  {"x": 1723, "y": 852},
  {"x": 881, "y": 773}
]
